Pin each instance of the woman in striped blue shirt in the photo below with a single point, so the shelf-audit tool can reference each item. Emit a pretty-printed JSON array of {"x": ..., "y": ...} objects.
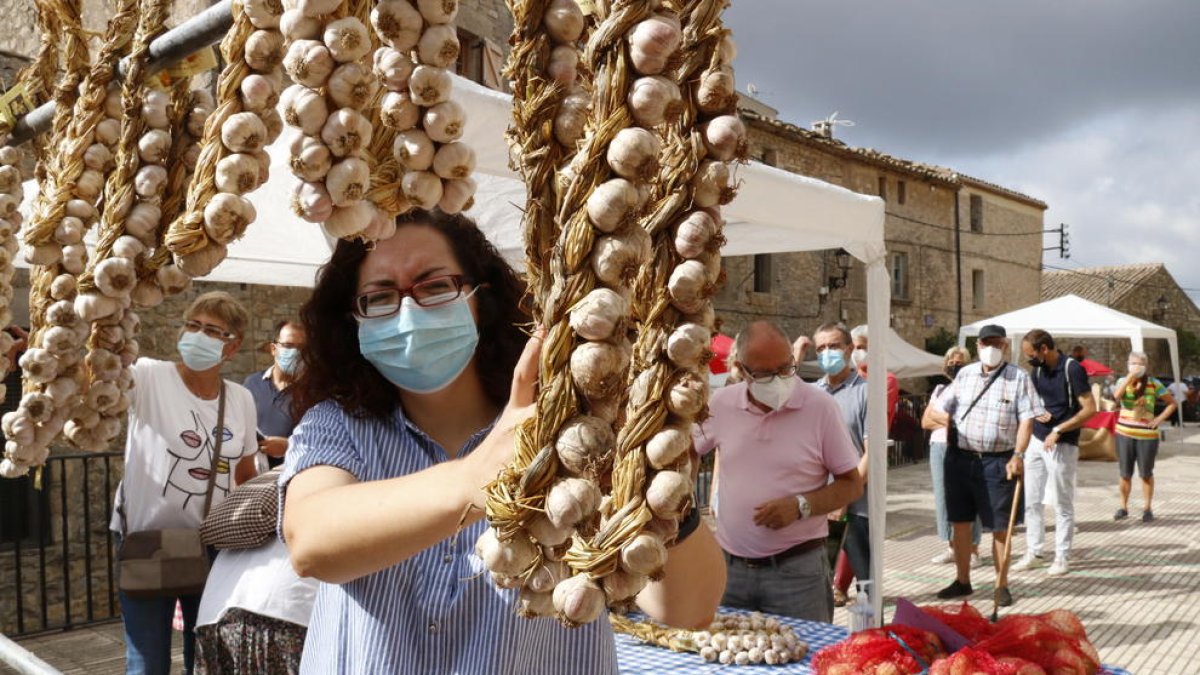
[{"x": 414, "y": 380}]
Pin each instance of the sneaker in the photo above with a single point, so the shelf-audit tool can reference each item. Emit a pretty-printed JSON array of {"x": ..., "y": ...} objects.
[
  {"x": 1121, "y": 514},
  {"x": 1028, "y": 561},
  {"x": 1005, "y": 598},
  {"x": 1147, "y": 516},
  {"x": 1059, "y": 568},
  {"x": 976, "y": 561},
  {"x": 955, "y": 590},
  {"x": 944, "y": 558},
  {"x": 839, "y": 598}
]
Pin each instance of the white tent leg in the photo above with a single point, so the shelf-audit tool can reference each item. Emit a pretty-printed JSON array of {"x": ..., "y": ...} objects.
[{"x": 878, "y": 312}]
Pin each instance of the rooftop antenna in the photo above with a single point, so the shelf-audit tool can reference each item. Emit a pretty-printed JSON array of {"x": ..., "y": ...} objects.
[{"x": 825, "y": 127}]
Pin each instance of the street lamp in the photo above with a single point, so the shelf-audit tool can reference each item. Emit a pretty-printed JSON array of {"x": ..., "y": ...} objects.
[
  {"x": 1163, "y": 305},
  {"x": 842, "y": 258}
]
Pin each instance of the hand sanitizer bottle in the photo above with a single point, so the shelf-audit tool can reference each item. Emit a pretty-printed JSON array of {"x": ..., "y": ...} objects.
[{"x": 862, "y": 613}]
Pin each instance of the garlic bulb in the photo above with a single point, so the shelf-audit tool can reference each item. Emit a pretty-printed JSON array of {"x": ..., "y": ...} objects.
[
  {"x": 393, "y": 68},
  {"x": 654, "y": 100},
  {"x": 316, "y": 8},
  {"x": 710, "y": 186},
  {"x": 414, "y": 150},
  {"x": 200, "y": 263},
  {"x": 295, "y": 26},
  {"x": 422, "y": 188},
  {"x": 429, "y": 85},
  {"x": 613, "y": 204},
  {"x": 688, "y": 394},
  {"x": 621, "y": 585},
  {"x": 352, "y": 86},
  {"x": 578, "y": 600},
  {"x": 457, "y": 195},
  {"x": 633, "y": 154},
  {"x": 153, "y": 146},
  {"x": 438, "y": 11},
  {"x": 142, "y": 220},
  {"x": 263, "y": 13},
  {"x": 398, "y": 111},
  {"x": 652, "y": 42},
  {"x": 346, "y": 132},
  {"x": 244, "y": 132},
  {"x": 597, "y": 369},
  {"x": 693, "y": 234},
  {"x": 154, "y": 109},
  {"x": 347, "y": 221},
  {"x": 311, "y": 202},
  {"x": 108, "y": 131},
  {"x": 512, "y": 557},
  {"x": 98, "y": 157},
  {"x": 644, "y": 555},
  {"x": 311, "y": 159},
  {"x": 397, "y": 23},
  {"x": 264, "y": 50},
  {"x": 258, "y": 93},
  {"x": 147, "y": 294},
  {"x": 438, "y": 46},
  {"x": 63, "y": 287},
  {"x": 74, "y": 258},
  {"x": 454, "y": 160},
  {"x": 688, "y": 345},
  {"x": 583, "y": 443},
  {"x": 93, "y": 306},
  {"x": 669, "y": 494},
  {"x": 304, "y": 109},
  {"x": 347, "y": 39},
  {"x": 348, "y": 181},
  {"x": 69, "y": 231},
  {"x": 172, "y": 279},
  {"x": 274, "y": 124},
  {"x": 129, "y": 247},
  {"x": 572, "y": 117},
  {"x": 725, "y": 138},
  {"x": 599, "y": 314},
  {"x": 563, "y": 66},
  {"x": 150, "y": 181},
  {"x": 688, "y": 286},
  {"x": 571, "y": 500},
  {"x": 716, "y": 93},
  {"x": 226, "y": 217},
  {"x": 309, "y": 62},
  {"x": 616, "y": 258},
  {"x": 115, "y": 277},
  {"x": 382, "y": 227},
  {"x": 237, "y": 174},
  {"x": 666, "y": 447},
  {"x": 444, "y": 122},
  {"x": 564, "y": 21},
  {"x": 89, "y": 184}
]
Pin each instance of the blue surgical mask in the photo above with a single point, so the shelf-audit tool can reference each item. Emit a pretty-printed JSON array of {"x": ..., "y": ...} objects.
[
  {"x": 420, "y": 349},
  {"x": 199, "y": 351},
  {"x": 832, "y": 361},
  {"x": 288, "y": 359}
]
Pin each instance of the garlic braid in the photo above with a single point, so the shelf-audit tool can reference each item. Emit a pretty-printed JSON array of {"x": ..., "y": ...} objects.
[{"x": 235, "y": 135}]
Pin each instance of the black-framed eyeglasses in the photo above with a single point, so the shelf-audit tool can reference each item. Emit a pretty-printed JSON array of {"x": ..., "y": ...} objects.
[
  {"x": 212, "y": 331},
  {"x": 763, "y": 377},
  {"x": 432, "y": 292}
]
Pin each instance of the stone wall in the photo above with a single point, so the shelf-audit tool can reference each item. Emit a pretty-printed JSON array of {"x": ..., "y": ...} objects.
[{"x": 1008, "y": 252}]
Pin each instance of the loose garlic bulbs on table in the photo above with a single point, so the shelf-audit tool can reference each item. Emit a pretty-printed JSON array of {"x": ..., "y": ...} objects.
[{"x": 739, "y": 639}]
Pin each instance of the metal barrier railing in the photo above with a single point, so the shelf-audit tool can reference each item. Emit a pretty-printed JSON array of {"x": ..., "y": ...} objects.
[{"x": 63, "y": 571}]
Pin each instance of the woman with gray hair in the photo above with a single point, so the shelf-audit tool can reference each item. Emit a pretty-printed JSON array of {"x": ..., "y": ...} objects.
[
  {"x": 956, "y": 357},
  {"x": 1138, "y": 395}
]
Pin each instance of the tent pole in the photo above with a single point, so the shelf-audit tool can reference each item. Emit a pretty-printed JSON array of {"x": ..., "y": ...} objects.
[
  {"x": 878, "y": 312},
  {"x": 202, "y": 30}
]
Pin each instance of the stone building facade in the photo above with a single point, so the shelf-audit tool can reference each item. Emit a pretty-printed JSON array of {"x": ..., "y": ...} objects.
[
  {"x": 1147, "y": 291},
  {"x": 998, "y": 237}
]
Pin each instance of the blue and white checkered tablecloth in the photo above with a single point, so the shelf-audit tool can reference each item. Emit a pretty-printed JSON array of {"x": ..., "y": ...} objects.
[{"x": 637, "y": 658}]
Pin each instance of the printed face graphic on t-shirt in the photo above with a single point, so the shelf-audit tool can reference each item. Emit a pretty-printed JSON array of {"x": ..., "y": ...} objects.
[{"x": 193, "y": 460}]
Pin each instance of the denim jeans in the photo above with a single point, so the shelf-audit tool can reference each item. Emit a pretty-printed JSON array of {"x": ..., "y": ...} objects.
[
  {"x": 858, "y": 545},
  {"x": 937, "y": 462},
  {"x": 798, "y": 587},
  {"x": 1041, "y": 467},
  {"x": 148, "y": 629}
]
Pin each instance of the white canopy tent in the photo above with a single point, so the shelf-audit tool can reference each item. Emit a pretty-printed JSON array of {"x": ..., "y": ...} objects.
[
  {"x": 1070, "y": 316},
  {"x": 905, "y": 360},
  {"x": 775, "y": 212}
]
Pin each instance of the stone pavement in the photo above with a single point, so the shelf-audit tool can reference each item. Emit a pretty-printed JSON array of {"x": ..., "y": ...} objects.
[{"x": 1135, "y": 586}]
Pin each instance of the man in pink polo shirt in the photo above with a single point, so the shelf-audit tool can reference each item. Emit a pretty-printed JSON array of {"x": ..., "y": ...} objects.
[{"x": 780, "y": 440}]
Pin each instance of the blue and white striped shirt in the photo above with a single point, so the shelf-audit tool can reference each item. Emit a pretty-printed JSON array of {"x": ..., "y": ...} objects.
[{"x": 437, "y": 612}]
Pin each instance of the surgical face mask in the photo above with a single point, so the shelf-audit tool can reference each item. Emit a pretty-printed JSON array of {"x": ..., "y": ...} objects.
[
  {"x": 952, "y": 370},
  {"x": 775, "y": 393},
  {"x": 1037, "y": 361},
  {"x": 858, "y": 357},
  {"x": 1137, "y": 370},
  {"x": 288, "y": 359},
  {"x": 832, "y": 361},
  {"x": 199, "y": 351},
  {"x": 990, "y": 356},
  {"x": 420, "y": 349}
]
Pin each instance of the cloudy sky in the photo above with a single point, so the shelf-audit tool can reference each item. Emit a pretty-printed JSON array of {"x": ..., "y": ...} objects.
[{"x": 1092, "y": 106}]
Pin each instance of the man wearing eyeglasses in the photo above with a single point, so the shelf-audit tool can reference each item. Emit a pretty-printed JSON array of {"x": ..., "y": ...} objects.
[
  {"x": 779, "y": 441},
  {"x": 270, "y": 390}
]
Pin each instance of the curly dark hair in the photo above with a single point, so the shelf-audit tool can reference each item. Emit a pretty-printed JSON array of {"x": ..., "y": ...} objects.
[{"x": 335, "y": 369}]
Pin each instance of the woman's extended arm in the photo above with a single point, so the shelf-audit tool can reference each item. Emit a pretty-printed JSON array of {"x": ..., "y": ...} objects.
[
  {"x": 689, "y": 593},
  {"x": 339, "y": 529}
]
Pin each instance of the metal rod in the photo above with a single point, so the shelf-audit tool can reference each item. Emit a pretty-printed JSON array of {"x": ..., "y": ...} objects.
[
  {"x": 66, "y": 546},
  {"x": 22, "y": 660},
  {"x": 202, "y": 30},
  {"x": 87, "y": 538}
]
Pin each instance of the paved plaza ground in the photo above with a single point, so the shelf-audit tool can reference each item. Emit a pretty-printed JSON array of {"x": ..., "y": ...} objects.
[{"x": 1136, "y": 586}]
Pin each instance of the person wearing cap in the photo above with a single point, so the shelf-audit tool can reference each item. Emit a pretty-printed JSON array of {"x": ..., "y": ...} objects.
[{"x": 991, "y": 405}]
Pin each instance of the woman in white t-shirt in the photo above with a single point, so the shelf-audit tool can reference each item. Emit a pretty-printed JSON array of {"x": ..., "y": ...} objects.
[{"x": 169, "y": 455}]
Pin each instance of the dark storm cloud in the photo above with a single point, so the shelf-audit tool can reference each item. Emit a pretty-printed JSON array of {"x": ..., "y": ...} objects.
[{"x": 951, "y": 77}]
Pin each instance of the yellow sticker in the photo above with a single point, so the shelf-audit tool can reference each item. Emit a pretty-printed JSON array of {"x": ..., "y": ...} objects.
[
  {"x": 189, "y": 66},
  {"x": 588, "y": 7},
  {"x": 15, "y": 104}
]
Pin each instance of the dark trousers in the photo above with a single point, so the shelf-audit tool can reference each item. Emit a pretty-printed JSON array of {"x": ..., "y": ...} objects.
[{"x": 858, "y": 545}]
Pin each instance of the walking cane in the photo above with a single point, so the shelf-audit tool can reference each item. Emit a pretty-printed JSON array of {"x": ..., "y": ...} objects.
[{"x": 1002, "y": 577}]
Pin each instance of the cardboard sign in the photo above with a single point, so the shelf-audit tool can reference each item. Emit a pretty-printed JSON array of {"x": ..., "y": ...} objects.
[
  {"x": 15, "y": 104},
  {"x": 194, "y": 64}
]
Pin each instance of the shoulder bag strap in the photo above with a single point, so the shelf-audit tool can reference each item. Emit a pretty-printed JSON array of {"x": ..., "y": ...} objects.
[
  {"x": 216, "y": 457},
  {"x": 990, "y": 382}
]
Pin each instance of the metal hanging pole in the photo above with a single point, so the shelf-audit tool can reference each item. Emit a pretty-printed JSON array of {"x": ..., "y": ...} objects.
[{"x": 204, "y": 29}]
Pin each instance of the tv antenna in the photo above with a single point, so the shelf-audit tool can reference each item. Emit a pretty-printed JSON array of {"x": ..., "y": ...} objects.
[{"x": 825, "y": 127}]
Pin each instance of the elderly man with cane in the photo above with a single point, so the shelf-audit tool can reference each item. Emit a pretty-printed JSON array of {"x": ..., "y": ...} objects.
[{"x": 989, "y": 413}]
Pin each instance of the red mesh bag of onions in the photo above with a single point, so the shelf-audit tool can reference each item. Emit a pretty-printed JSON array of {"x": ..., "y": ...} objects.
[
  {"x": 879, "y": 652},
  {"x": 968, "y": 661},
  {"x": 965, "y": 620},
  {"x": 1054, "y": 641}
]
